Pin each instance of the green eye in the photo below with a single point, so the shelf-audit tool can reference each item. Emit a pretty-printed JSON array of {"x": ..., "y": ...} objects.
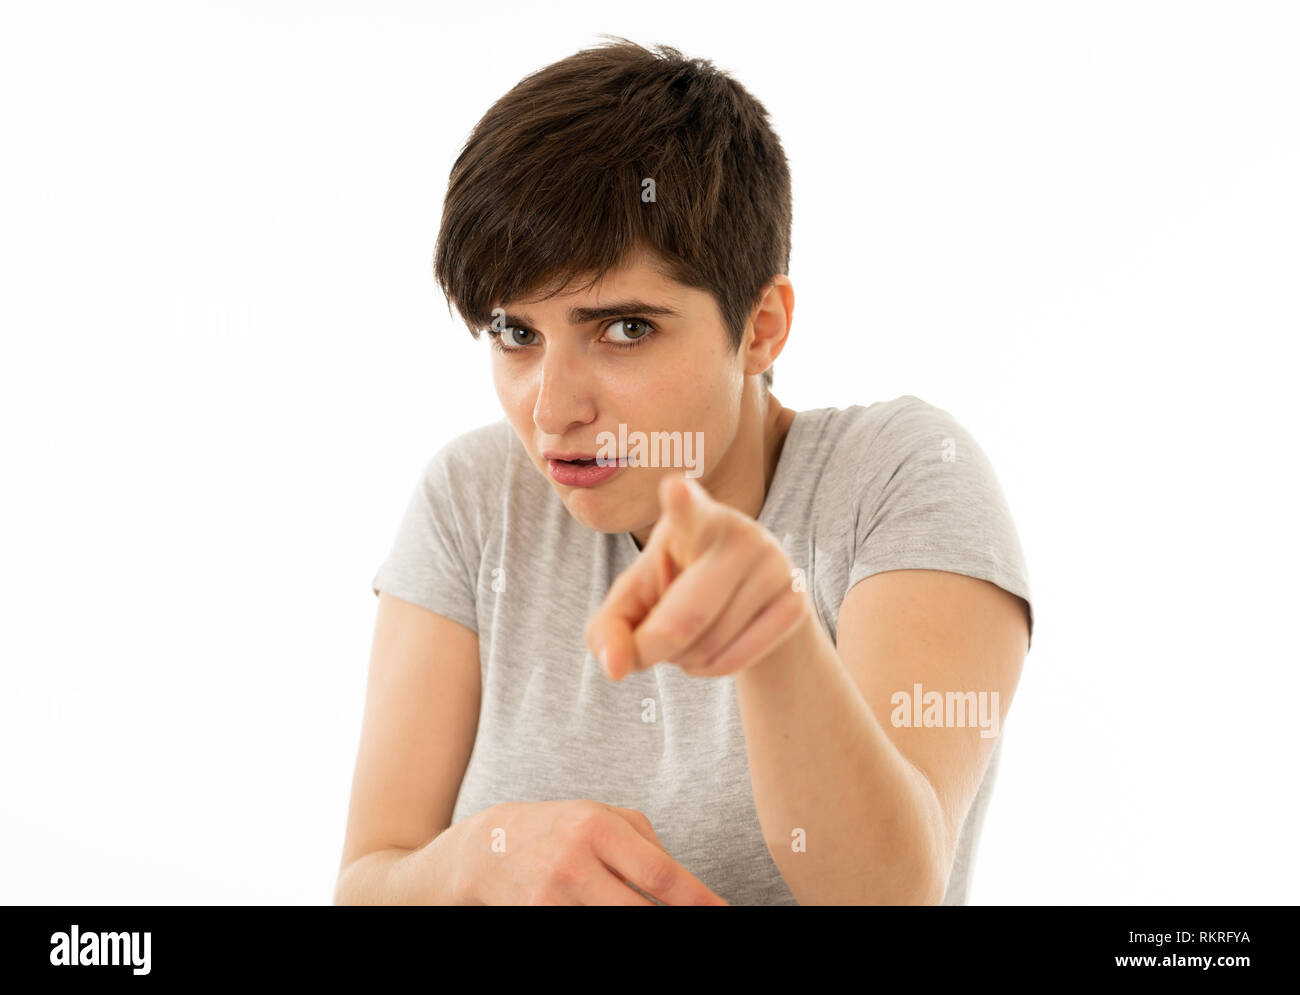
[
  {"x": 635, "y": 331},
  {"x": 497, "y": 334}
]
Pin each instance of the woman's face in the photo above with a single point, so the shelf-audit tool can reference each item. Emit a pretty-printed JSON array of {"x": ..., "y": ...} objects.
[{"x": 634, "y": 353}]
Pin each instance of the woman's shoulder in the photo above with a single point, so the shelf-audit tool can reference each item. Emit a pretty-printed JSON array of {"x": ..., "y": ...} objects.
[
  {"x": 474, "y": 444},
  {"x": 902, "y": 412},
  {"x": 877, "y": 428},
  {"x": 479, "y": 455}
]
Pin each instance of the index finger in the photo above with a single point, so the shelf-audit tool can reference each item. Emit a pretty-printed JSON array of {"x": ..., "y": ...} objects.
[
  {"x": 687, "y": 512},
  {"x": 684, "y": 515},
  {"x": 638, "y": 861},
  {"x": 628, "y": 602}
]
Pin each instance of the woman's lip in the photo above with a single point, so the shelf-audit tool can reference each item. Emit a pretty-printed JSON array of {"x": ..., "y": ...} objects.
[{"x": 581, "y": 475}]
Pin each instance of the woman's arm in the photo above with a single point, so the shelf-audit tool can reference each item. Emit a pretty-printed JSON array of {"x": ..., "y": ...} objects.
[
  {"x": 874, "y": 800},
  {"x": 426, "y": 876},
  {"x": 421, "y": 717},
  {"x": 420, "y": 722}
]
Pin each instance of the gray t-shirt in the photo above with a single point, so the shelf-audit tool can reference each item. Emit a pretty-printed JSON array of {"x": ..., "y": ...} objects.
[{"x": 487, "y": 542}]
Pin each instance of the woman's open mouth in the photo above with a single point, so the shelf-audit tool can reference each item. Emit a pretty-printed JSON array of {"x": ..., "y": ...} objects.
[{"x": 581, "y": 472}]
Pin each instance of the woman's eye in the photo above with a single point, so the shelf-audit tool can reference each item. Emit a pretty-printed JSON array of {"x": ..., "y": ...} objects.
[
  {"x": 519, "y": 336},
  {"x": 633, "y": 329}
]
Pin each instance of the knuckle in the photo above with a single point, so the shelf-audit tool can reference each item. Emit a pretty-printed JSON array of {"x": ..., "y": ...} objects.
[
  {"x": 686, "y": 626},
  {"x": 717, "y": 529},
  {"x": 730, "y": 537},
  {"x": 647, "y": 587},
  {"x": 702, "y": 657},
  {"x": 722, "y": 531},
  {"x": 585, "y": 825},
  {"x": 744, "y": 535},
  {"x": 635, "y": 816},
  {"x": 658, "y": 876},
  {"x": 561, "y": 875},
  {"x": 776, "y": 570}
]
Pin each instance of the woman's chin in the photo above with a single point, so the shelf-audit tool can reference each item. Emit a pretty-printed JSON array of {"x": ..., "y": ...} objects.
[{"x": 597, "y": 512}]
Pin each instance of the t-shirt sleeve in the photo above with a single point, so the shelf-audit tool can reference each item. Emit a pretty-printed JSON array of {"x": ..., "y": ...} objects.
[
  {"x": 931, "y": 500},
  {"x": 433, "y": 561}
]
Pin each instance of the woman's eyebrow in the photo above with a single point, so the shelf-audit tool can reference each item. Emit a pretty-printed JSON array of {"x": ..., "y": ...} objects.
[{"x": 584, "y": 315}]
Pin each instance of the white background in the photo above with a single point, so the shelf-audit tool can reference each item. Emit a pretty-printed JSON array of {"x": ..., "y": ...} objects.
[{"x": 225, "y": 362}]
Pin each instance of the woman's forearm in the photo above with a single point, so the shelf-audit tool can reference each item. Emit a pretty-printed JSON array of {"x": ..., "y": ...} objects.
[{"x": 867, "y": 824}]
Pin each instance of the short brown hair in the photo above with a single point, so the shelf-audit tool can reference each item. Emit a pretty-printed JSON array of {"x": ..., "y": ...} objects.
[{"x": 549, "y": 185}]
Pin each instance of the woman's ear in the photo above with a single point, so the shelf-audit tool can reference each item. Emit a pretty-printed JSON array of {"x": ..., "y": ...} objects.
[{"x": 769, "y": 325}]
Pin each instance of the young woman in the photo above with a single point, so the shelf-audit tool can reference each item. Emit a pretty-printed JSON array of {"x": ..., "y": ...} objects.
[{"x": 653, "y": 637}]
